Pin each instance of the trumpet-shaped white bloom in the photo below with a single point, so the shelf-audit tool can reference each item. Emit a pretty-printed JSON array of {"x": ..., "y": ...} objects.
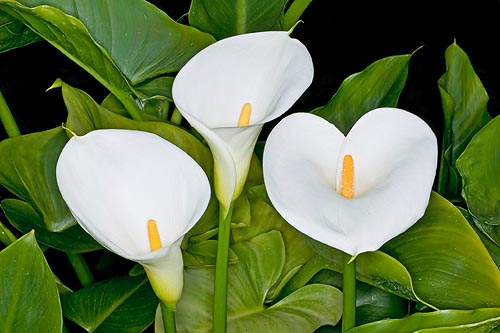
[
  {"x": 351, "y": 192},
  {"x": 137, "y": 195},
  {"x": 231, "y": 88}
]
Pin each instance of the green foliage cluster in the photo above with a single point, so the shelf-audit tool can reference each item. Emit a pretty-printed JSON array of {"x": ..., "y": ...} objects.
[{"x": 441, "y": 275}]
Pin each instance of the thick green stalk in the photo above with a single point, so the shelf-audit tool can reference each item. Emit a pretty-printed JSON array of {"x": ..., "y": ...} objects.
[
  {"x": 220, "y": 288},
  {"x": 7, "y": 119},
  {"x": 168, "y": 314},
  {"x": 349, "y": 293},
  {"x": 176, "y": 117},
  {"x": 81, "y": 268}
]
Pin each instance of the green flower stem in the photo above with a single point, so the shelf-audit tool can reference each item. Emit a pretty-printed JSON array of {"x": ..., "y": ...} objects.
[
  {"x": 6, "y": 236},
  {"x": 176, "y": 117},
  {"x": 81, "y": 268},
  {"x": 349, "y": 293},
  {"x": 131, "y": 106},
  {"x": 294, "y": 13},
  {"x": 168, "y": 314},
  {"x": 220, "y": 288},
  {"x": 7, "y": 119}
]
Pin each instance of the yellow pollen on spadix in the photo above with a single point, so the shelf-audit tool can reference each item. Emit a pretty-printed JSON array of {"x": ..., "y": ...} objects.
[
  {"x": 154, "y": 237},
  {"x": 347, "y": 182},
  {"x": 245, "y": 115}
]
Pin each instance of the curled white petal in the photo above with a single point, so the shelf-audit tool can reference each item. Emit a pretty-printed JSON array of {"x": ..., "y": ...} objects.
[
  {"x": 269, "y": 70},
  {"x": 115, "y": 181},
  {"x": 395, "y": 158}
]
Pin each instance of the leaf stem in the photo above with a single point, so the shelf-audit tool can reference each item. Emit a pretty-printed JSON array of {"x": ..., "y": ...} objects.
[
  {"x": 349, "y": 293},
  {"x": 168, "y": 314},
  {"x": 7, "y": 119},
  {"x": 81, "y": 268},
  {"x": 131, "y": 106},
  {"x": 220, "y": 288},
  {"x": 176, "y": 117},
  {"x": 294, "y": 13}
]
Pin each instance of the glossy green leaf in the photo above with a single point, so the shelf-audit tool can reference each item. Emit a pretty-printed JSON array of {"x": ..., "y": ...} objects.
[
  {"x": 120, "y": 304},
  {"x": 91, "y": 31},
  {"x": 73, "y": 239},
  {"x": 480, "y": 320},
  {"x": 28, "y": 170},
  {"x": 449, "y": 265},
  {"x": 224, "y": 18},
  {"x": 29, "y": 301},
  {"x": 14, "y": 34},
  {"x": 372, "y": 303},
  {"x": 374, "y": 268},
  {"x": 380, "y": 84},
  {"x": 265, "y": 218},
  {"x": 440, "y": 262},
  {"x": 479, "y": 167},
  {"x": 260, "y": 261},
  {"x": 464, "y": 102},
  {"x": 488, "y": 234}
]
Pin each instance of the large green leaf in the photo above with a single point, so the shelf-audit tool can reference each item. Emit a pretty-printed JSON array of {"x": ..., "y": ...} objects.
[
  {"x": 73, "y": 239},
  {"x": 260, "y": 263},
  {"x": 449, "y": 265},
  {"x": 141, "y": 40},
  {"x": 479, "y": 167},
  {"x": 29, "y": 301},
  {"x": 14, "y": 34},
  {"x": 265, "y": 218},
  {"x": 464, "y": 102},
  {"x": 224, "y": 18},
  {"x": 380, "y": 84},
  {"x": 374, "y": 268},
  {"x": 28, "y": 170},
  {"x": 480, "y": 320},
  {"x": 440, "y": 262},
  {"x": 121, "y": 304}
]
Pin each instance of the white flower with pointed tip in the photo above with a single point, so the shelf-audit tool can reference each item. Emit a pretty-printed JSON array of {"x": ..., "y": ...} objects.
[
  {"x": 137, "y": 195},
  {"x": 351, "y": 192},
  {"x": 231, "y": 88}
]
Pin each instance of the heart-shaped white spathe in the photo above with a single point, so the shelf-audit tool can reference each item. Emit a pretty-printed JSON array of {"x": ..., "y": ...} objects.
[{"x": 395, "y": 158}]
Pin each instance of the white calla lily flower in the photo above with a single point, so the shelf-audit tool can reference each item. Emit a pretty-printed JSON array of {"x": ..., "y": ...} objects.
[
  {"x": 137, "y": 195},
  {"x": 351, "y": 192},
  {"x": 230, "y": 89}
]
